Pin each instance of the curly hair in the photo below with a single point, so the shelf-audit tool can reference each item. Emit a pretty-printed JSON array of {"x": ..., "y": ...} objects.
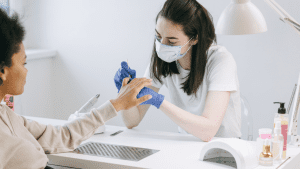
[{"x": 11, "y": 36}]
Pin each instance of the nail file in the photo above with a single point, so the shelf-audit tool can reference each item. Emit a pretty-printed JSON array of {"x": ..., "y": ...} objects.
[{"x": 120, "y": 131}]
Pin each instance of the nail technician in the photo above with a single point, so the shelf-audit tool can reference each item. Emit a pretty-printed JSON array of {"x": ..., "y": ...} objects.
[
  {"x": 23, "y": 143},
  {"x": 201, "y": 76}
]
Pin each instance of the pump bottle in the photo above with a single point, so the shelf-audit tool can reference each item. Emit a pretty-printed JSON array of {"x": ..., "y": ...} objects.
[{"x": 283, "y": 118}]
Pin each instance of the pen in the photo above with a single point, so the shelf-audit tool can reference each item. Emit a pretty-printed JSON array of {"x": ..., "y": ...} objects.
[{"x": 88, "y": 105}]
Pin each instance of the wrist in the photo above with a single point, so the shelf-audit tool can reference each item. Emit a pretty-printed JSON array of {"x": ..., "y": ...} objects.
[
  {"x": 158, "y": 100},
  {"x": 115, "y": 104}
]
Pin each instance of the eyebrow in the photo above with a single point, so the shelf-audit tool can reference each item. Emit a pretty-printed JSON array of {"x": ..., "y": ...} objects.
[{"x": 167, "y": 37}]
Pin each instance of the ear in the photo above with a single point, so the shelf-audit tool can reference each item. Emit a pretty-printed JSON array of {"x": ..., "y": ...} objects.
[
  {"x": 195, "y": 40},
  {"x": 3, "y": 73}
]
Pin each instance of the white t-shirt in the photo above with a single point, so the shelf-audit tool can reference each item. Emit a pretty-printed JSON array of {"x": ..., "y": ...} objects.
[{"x": 220, "y": 75}]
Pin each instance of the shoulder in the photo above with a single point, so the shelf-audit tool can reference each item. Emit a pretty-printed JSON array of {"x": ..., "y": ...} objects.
[
  {"x": 9, "y": 112},
  {"x": 218, "y": 54}
]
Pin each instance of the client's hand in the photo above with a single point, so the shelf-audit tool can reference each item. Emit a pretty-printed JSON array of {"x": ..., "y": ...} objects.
[
  {"x": 123, "y": 72},
  {"x": 127, "y": 97},
  {"x": 156, "y": 99}
]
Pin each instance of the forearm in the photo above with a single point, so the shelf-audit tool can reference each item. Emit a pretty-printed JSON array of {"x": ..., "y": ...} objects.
[
  {"x": 198, "y": 126},
  {"x": 131, "y": 117}
]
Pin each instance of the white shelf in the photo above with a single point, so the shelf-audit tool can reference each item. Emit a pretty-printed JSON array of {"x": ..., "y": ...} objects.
[{"x": 39, "y": 53}]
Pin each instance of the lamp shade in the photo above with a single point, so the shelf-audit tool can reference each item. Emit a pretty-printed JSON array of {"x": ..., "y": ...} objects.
[{"x": 241, "y": 17}]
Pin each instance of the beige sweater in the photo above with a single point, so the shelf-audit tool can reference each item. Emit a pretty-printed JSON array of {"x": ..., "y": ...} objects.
[{"x": 23, "y": 142}]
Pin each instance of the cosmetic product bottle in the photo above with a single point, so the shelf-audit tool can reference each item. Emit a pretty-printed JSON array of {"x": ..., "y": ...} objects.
[
  {"x": 263, "y": 134},
  {"x": 9, "y": 99},
  {"x": 266, "y": 157},
  {"x": 284, "y": 118},
  {"x": 277, "y": 143}
]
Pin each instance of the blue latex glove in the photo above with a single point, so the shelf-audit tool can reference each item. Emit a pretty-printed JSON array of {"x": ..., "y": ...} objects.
[
  {"x": 122, "y": 73},
  {"x": 156, "y": 99}
]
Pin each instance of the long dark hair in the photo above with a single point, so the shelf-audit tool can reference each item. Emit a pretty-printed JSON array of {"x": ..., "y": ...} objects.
[{"x": 195, "y": 20}]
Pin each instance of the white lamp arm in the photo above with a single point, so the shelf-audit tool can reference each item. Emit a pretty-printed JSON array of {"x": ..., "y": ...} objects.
[
  {"x": 295, "y": 24},
  {"x": 284, "y": 16}
]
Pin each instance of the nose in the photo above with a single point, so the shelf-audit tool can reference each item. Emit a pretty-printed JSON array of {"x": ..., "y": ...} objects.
[{"x": 163, "y": 41}]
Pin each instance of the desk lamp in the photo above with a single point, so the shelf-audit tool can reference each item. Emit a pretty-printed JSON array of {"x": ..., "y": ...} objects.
[{"x": 242, "y": 17}]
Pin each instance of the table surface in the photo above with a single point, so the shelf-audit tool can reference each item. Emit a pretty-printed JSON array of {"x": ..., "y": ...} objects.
[{"x": 176, "y": 150}]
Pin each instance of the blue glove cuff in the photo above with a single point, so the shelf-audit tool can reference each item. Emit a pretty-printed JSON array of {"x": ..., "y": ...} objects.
[{"x": 158, "y": 100}]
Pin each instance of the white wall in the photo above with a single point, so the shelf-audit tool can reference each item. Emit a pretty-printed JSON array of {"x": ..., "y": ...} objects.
[
  {"x": 37, "y": 97},
  {"x": 92, "y": 38}
]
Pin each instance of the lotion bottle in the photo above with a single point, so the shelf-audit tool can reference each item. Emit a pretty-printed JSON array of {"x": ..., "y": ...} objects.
[{"x": 283, "y": 118}]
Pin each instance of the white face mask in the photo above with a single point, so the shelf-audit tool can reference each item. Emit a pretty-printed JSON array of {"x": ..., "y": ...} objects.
[{"x": 169, "y": 53}]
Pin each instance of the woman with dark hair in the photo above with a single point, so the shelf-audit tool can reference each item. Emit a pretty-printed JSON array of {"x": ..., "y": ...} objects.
[
  {"x": 187, "y": 60},
  {"x": 23, "y": 142}
]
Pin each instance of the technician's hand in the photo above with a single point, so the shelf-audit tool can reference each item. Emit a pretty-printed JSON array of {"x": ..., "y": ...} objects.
[
  {"x": 127, "y": 97},
  {"x": 156, "y": 99},
  {"x": 123, "y": 72}
]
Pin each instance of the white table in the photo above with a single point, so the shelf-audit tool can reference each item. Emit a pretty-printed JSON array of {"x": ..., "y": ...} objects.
[{"x": 176, "y": 150}]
